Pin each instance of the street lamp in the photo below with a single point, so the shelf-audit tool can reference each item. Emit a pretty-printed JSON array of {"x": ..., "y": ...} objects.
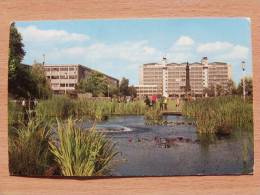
[{"x": 243, "y": 64}]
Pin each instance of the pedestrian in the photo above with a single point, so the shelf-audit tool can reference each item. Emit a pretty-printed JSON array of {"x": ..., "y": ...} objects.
[
  {"x": 147, "y": 101},
  {"x": 165, "y": 102},
  {"x": 154, "y": 98},
  {"x": 161, "y": 102},
  {"x": 35, "y": 102},
  {"x": 177, "y": 103},
  {"x": 23, "y": 103}
]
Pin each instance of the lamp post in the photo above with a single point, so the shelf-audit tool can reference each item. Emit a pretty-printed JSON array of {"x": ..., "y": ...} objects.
[{"x": 243, "y": 64}]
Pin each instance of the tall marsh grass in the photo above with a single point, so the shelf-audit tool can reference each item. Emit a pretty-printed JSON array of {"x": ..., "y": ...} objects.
[
  {"x": 57, "y": 106},
  {"x": 81, "y": 153},
  {"x": 221, "y": 114},
  {"x": 154, "y": 116},
  {"x": 94, "y": 109},
  {"x": 15, "y": 113},
  {"x": 29, "y": 152}
]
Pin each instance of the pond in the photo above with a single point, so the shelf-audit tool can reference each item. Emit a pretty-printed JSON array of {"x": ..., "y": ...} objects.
[{"x": 174, "y": 149}]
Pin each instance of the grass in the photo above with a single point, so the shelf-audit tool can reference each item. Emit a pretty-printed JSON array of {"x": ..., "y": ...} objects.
[
  {"x": 94, "y": 109},
  {"x": 221, "y": 114},
  {"x": 15, "y": 113},
  {"x": 81, "y": 152},
  {"x": 29, "y": 152},
  {"x": 57, "y": 106}
]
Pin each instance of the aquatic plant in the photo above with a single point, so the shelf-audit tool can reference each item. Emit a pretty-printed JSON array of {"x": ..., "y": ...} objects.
[
  {"x": 57, "y": 106},
  {"x": 220, "y": 115},
  {"x": 29, "y": 152},
  {"x": 94, "y": 109},
  {"x": 154, "y": 116},
  {"x": 81, "y": 152}
]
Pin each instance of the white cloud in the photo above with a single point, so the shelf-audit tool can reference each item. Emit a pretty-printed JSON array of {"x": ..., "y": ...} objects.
[
  {"x": 237, "y": 52},
  {"x": 213, "y": 47},
  {"x": 184, "y": 41},
  {"x": 34, "y": 34},
  {"x": 139, "y": 51},
  {"x": 223, "y": 50}
]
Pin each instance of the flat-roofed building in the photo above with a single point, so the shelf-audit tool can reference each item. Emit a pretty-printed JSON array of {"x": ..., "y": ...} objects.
[
  {"x": 147, "y": 90},
  {"x": 65, "y": 77},
  {"x": 170, "y": 78}
]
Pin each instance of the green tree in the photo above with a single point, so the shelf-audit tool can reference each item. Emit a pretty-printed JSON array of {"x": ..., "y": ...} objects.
[
  {"x": 43, "y": 89},
  {"x": 16, "y": 51},
  {"x": 95, "y": 83},
  {"x": 20, "y": 81},
  {"x": 124, "y": 87},
  {"x": 113, "y": 90},
  {"x": 249, "y": 86},
  {"x": 210, "y": 91},
  {"x": 230, "y": 88},
  {"x": 132, "y": 91},
  {"x": 220, "y": 90}
]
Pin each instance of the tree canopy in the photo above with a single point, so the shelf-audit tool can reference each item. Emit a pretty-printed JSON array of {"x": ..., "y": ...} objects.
[
  {"x": 95, "y": 83},
  {"x": 123, "y": 87},
  {"x": 248, "y": 86},
  {"x": 24, "y": 81}
]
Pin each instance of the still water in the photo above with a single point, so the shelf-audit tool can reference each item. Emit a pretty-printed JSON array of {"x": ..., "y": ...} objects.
[{"x": 174, "y": 149}]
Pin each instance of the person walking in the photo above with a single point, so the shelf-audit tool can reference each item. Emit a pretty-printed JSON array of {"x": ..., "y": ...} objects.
[
  {"x": 23, "y": 103},
  {"x": 154, "y": 99},
  {"x": 35, "y": 102},
  {"x": 177, "y": 103},
  {"x": 161, "y": 102},
  {"x": 165, "y": 102},
  {"x": 147, "y": 101}
]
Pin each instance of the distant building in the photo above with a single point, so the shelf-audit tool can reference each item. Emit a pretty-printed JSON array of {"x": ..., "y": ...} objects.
[
  {"x": 65, "y": 78},
  {"x": 170, "y": 78},
  {"x": 149, "y": 90}
]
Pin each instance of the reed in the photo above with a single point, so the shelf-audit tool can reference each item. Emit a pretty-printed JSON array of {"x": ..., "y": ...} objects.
[
  {"x": 57, "y": 106},
  {"x": 29, "y": 152},
  {"x": 15, "y": 113},
  {"x": 153, "y": 116},
  {"x": 94, "y": 109},
  {"x": 81, "y": 152},
  {"x": 221, "y": 114}
]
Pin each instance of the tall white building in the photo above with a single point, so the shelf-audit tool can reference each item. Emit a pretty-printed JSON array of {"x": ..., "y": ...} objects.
[{"x": 170, "y": 78}]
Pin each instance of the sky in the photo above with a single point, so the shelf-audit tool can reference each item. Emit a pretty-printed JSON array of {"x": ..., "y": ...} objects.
[{"x": 118, "y": 47}]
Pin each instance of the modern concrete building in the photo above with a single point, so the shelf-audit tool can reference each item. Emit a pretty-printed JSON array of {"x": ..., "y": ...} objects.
[
  {"x": 64, "y": 78},
  {"x": 170, "y": 78},
  {"x": 149, "y": 90}
]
